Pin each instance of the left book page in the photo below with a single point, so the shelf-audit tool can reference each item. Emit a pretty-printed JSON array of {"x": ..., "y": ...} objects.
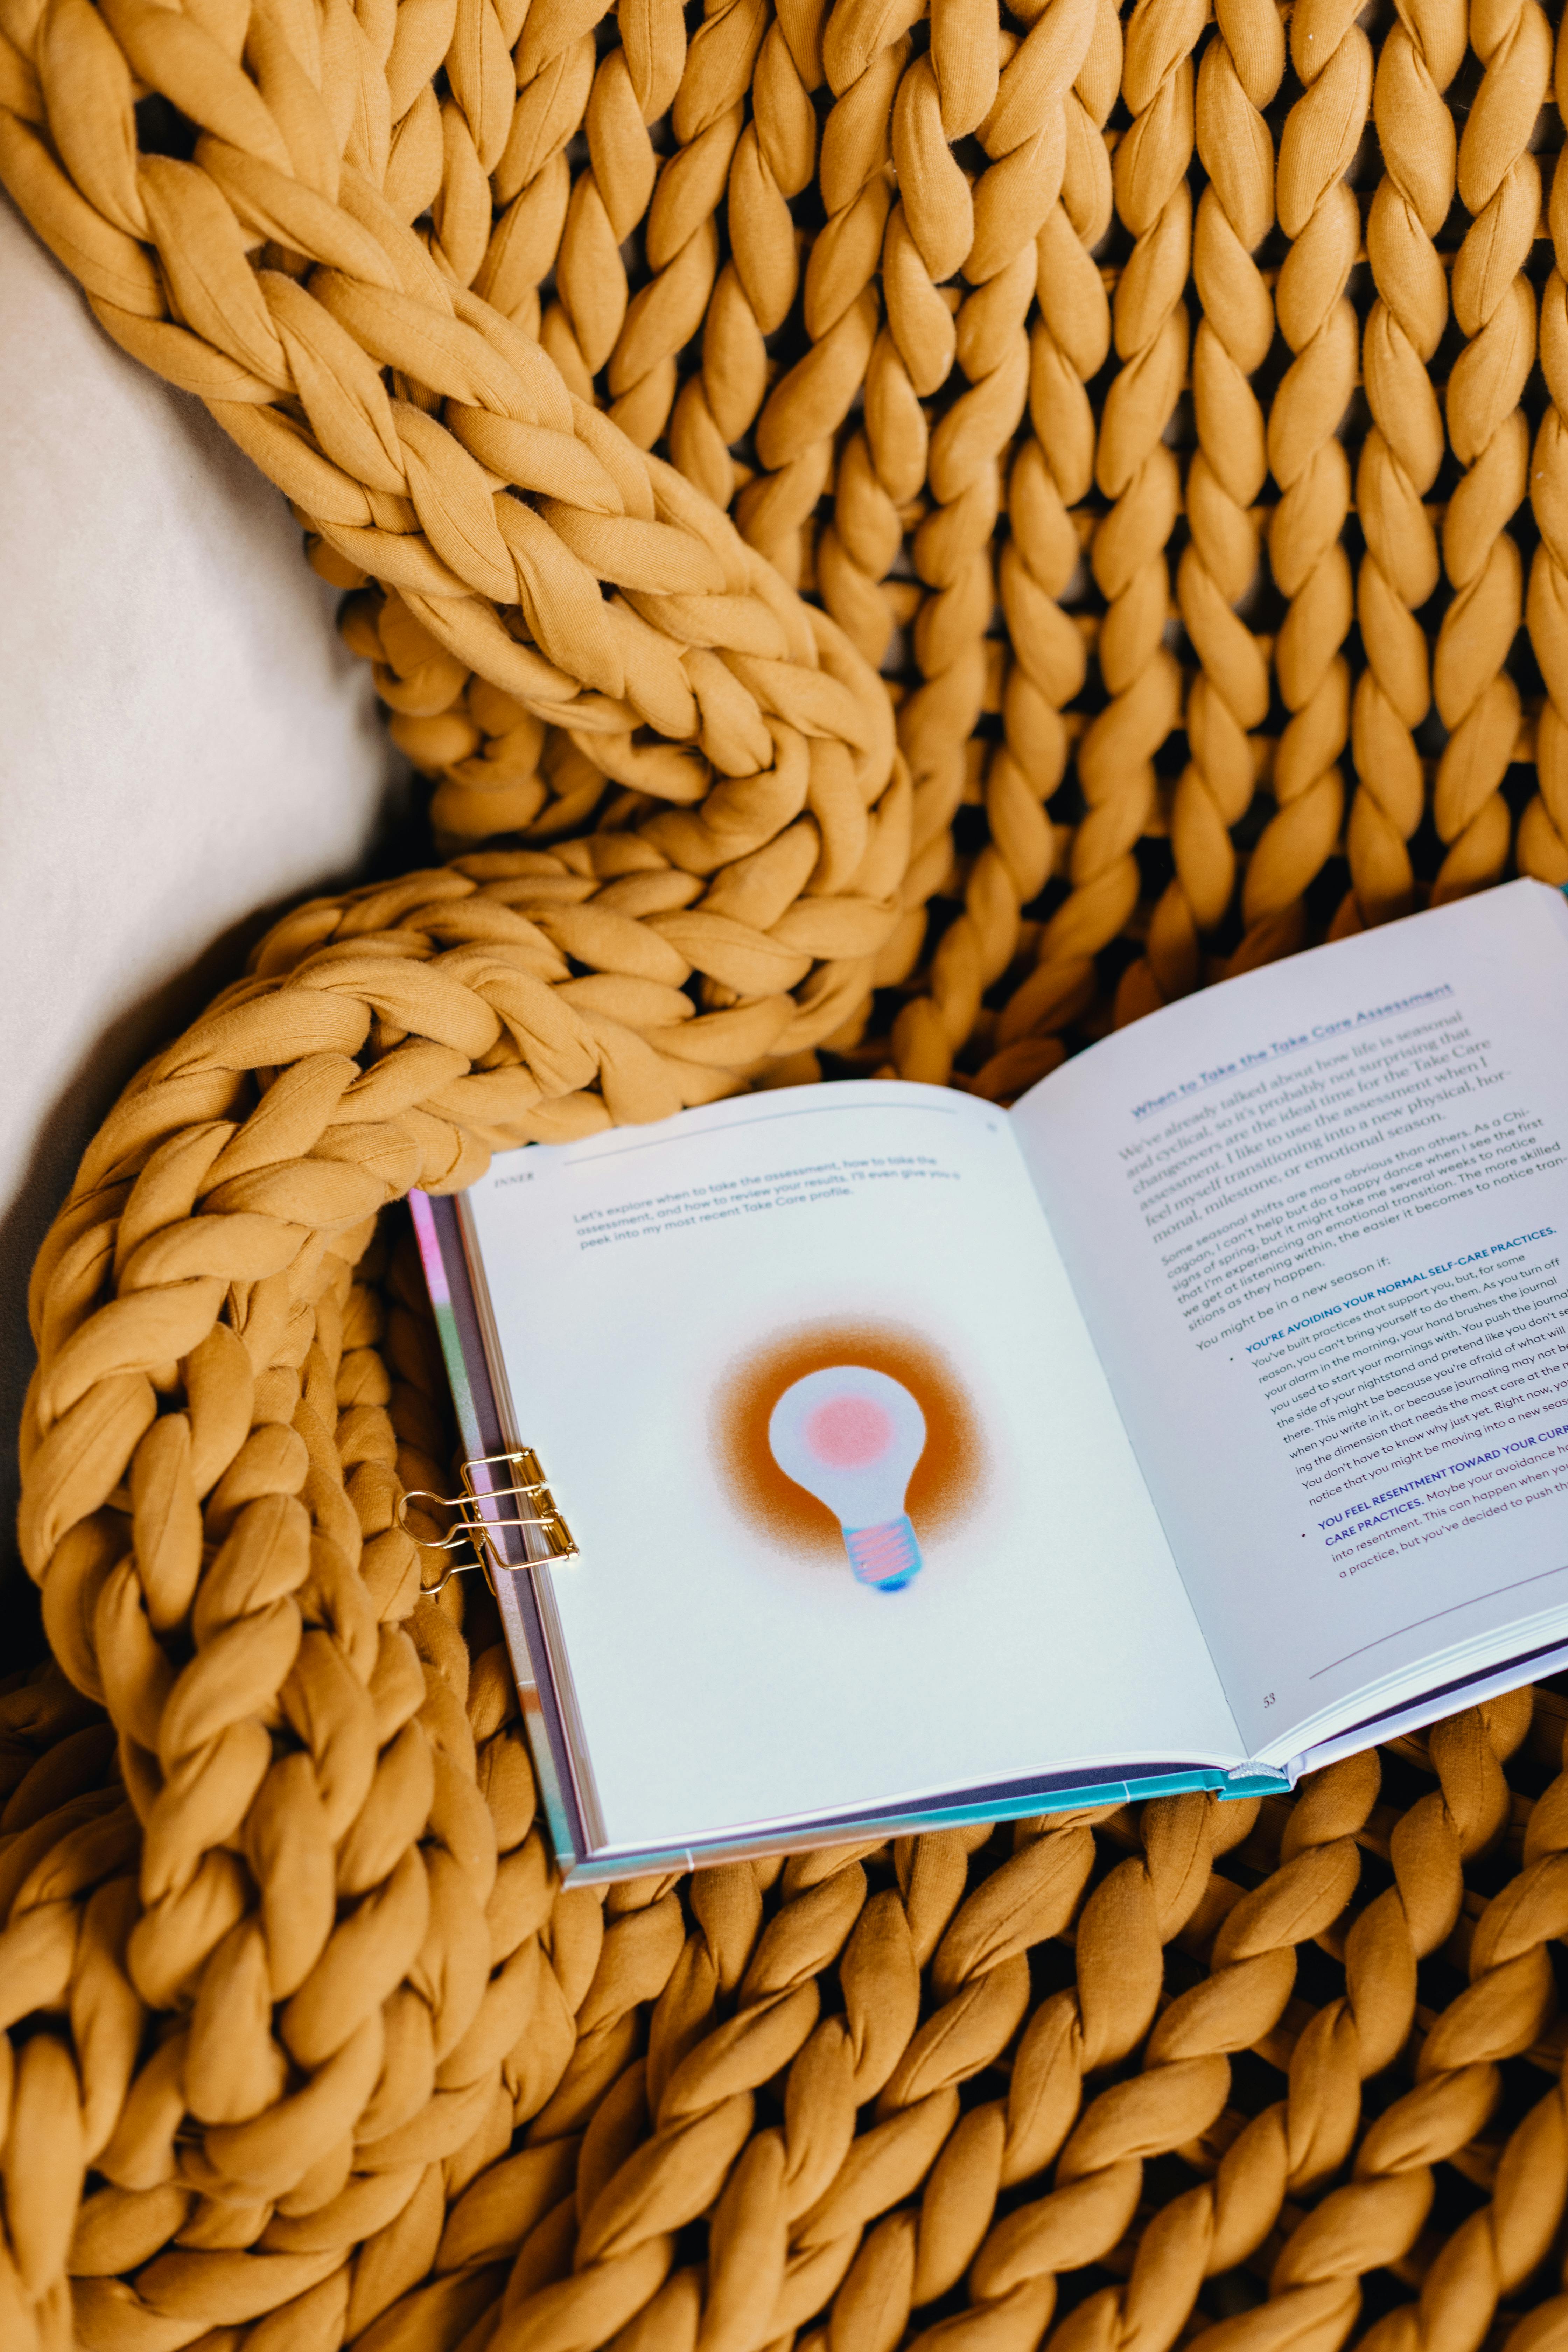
[{"x": 860, "y": 1523}]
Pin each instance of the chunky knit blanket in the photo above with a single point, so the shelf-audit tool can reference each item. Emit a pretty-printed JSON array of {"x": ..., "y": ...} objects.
[{"x": 902, "y": 537}]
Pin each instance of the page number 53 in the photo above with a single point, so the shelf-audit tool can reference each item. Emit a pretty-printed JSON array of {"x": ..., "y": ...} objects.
[{"x": 1268, "y": 1699}]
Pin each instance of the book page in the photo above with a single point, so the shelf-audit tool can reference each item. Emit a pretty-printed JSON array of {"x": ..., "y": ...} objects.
[
  {"x": 859, "y": 1520},
  {"x": 1317, "y": 1217}
]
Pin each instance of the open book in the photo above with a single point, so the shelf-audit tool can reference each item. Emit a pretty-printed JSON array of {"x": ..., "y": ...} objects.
[{"x": 1202, "y": 1418}]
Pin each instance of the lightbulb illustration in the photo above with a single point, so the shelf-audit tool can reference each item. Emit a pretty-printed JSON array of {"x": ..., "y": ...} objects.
[{"x": 852, "y": 1438}]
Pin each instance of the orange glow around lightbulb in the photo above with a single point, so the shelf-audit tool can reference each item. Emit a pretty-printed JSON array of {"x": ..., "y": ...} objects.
[{"x": 948, "y": 1480}]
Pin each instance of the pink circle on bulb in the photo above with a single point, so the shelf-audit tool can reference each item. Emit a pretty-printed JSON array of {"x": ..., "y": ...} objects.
[{"x": 848, "y": 1431}]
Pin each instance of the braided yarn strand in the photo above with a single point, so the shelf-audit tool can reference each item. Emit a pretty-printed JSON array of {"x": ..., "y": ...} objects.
[
  {"x": 979, "y": 1983},
  {"x": 1318, "y": 212},
  {"x": 475, "y": 120},
  {"x": 1494, "y": 303},
  {"x": 1375, "y": 2218},
  {"x": 530, "y": 181},
  {"x": 1401, "y": 455},
  {"x": 881, "y": 467},
  {"x": 774, "y": 159},
  {"x": 632, "y": 86},
  {"x": 1241, "y": 69},
  {"x": 863, "y": 50},
  {"x": 1117, "y": 1938},
  {"x": 1051, "y": 477},
  {"x": 681, "y": 237},
  {"x": 1543, "y": 845},
  {"x": 785, "y": 2227},
  {"x": 1176, "y": 2097},
  {"x": 1023, "y": 132},
  {"x": 1135, "y": 469}
]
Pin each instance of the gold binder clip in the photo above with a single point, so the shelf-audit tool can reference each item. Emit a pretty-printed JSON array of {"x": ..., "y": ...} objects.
[{"x": 478, "y": 1526}]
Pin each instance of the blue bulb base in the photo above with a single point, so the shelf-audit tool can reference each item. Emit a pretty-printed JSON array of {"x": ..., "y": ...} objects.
[{"x": 886, "y": 1557}]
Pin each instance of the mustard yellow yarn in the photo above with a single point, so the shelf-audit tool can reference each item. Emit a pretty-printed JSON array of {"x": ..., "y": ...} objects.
[{"x": 901, "y": 535}]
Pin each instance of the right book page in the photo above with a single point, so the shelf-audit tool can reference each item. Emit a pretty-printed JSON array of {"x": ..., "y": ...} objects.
[{"x": 1316, "y": 1219}]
